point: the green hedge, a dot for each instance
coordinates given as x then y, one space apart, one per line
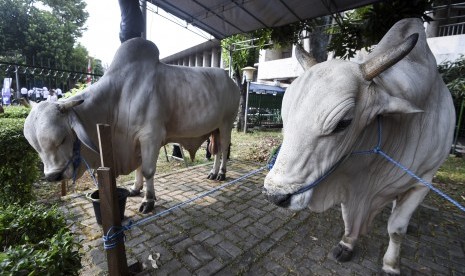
35 241
15 112
18 163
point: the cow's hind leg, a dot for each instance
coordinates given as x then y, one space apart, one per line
214 150
402 211
225 138
149 154
138 183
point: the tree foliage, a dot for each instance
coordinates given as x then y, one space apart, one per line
43 32
366 26
453 74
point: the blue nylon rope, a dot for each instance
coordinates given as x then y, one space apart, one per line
116 234
377 150
426 183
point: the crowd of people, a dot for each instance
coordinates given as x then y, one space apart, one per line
41 94
35 94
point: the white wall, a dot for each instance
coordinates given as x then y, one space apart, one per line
444 48
447 47
278 69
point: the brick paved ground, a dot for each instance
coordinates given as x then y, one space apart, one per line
237 232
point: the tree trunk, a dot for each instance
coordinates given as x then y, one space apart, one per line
241 112
319 40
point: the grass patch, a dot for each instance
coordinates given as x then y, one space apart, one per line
450 179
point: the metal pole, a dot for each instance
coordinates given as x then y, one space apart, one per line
144 15
18 89
246 107
457 128
230 62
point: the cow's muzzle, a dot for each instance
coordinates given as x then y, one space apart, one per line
278 199
57 176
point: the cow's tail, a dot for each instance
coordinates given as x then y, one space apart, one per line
214 142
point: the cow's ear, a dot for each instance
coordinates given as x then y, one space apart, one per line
387 104
65 106
81 133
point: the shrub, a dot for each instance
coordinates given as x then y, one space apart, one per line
15 112
18 163
35 241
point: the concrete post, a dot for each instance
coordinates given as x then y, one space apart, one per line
206 62
198 60
191 61
216 57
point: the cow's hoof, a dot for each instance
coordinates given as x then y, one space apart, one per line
147 207
212 176
342 253
390 274
221 177
134 192
390 271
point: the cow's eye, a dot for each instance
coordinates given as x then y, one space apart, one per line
342 125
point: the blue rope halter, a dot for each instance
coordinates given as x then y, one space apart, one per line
376 150
76 162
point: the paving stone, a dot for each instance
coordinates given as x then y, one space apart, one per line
199 253
210 268
191 261
183 245
275 268
167 268
205 234
220 254
232 249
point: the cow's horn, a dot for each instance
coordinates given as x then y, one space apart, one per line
65 106
375 66
305 58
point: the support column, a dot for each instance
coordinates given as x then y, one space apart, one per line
185 61
216 57
206 62
198 60
191 61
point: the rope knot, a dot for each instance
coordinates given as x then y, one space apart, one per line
377 149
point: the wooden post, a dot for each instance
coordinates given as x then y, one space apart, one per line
63 187
116 257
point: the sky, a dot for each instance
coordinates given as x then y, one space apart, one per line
102 35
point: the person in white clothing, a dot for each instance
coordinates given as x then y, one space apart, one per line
38 94
59 93
52 97
45 93
24 92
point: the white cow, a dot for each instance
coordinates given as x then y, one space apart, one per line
331 111
148 104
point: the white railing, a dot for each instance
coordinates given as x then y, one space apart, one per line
452 29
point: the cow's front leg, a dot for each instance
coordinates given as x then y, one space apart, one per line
343 251
402 211
138 183
149 154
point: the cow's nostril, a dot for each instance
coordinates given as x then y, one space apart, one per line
280 200
54 177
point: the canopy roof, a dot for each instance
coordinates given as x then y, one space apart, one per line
223 18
